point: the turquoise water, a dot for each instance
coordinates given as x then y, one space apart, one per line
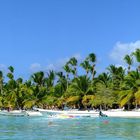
42 128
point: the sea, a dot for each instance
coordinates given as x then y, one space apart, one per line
45 128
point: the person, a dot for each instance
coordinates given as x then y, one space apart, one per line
50 123
101 114
9 109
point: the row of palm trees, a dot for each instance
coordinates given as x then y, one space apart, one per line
112 89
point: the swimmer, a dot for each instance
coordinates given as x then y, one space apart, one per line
106 122
51 124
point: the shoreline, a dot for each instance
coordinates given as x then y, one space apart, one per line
124 114
109 113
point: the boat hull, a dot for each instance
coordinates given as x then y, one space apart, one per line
70 112
12 113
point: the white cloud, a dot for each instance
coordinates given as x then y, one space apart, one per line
35 67
61 62
77 56
3 68
120 65
121 49
50 67
57 66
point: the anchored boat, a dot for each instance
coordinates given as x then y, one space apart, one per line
72 112
12 113
20 113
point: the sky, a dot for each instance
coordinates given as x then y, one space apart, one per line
43 34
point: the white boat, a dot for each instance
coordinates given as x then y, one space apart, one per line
20 113
72 112
33 113
12 113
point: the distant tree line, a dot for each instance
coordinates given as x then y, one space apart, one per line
118 87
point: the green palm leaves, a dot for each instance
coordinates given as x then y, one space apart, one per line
110 89
38 78
137 56
86 66
92 59
129 60
72 63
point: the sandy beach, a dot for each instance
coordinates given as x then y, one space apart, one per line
120 113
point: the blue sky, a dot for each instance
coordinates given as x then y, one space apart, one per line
43 34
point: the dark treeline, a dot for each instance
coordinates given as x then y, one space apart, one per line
118 87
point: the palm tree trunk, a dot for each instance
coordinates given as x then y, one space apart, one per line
136 106
67 80
93 73
128 105
129 67
86 73
100 107
75 72
139 68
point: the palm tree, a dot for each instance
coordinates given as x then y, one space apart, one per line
137 97
38 78
129 95
11 69
82 86
28 98
117 75
129 60
72 101
79 87
73 63
104 96
62 81
87 100
137 56
12 94
19 81
1 82
92 59
126 97
67 70
113 70
85 64
50 79
104 78
10 74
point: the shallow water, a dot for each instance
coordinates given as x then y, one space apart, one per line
43 128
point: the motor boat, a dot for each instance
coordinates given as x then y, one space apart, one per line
71 112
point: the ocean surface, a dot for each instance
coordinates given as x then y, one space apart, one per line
43 128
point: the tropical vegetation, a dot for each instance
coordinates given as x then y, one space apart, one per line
117 87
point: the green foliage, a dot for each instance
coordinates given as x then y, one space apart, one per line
87 100
38 78
72 100
55 89
104 96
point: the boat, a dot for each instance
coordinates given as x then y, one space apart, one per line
33 113
12 113
85 113
20 113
